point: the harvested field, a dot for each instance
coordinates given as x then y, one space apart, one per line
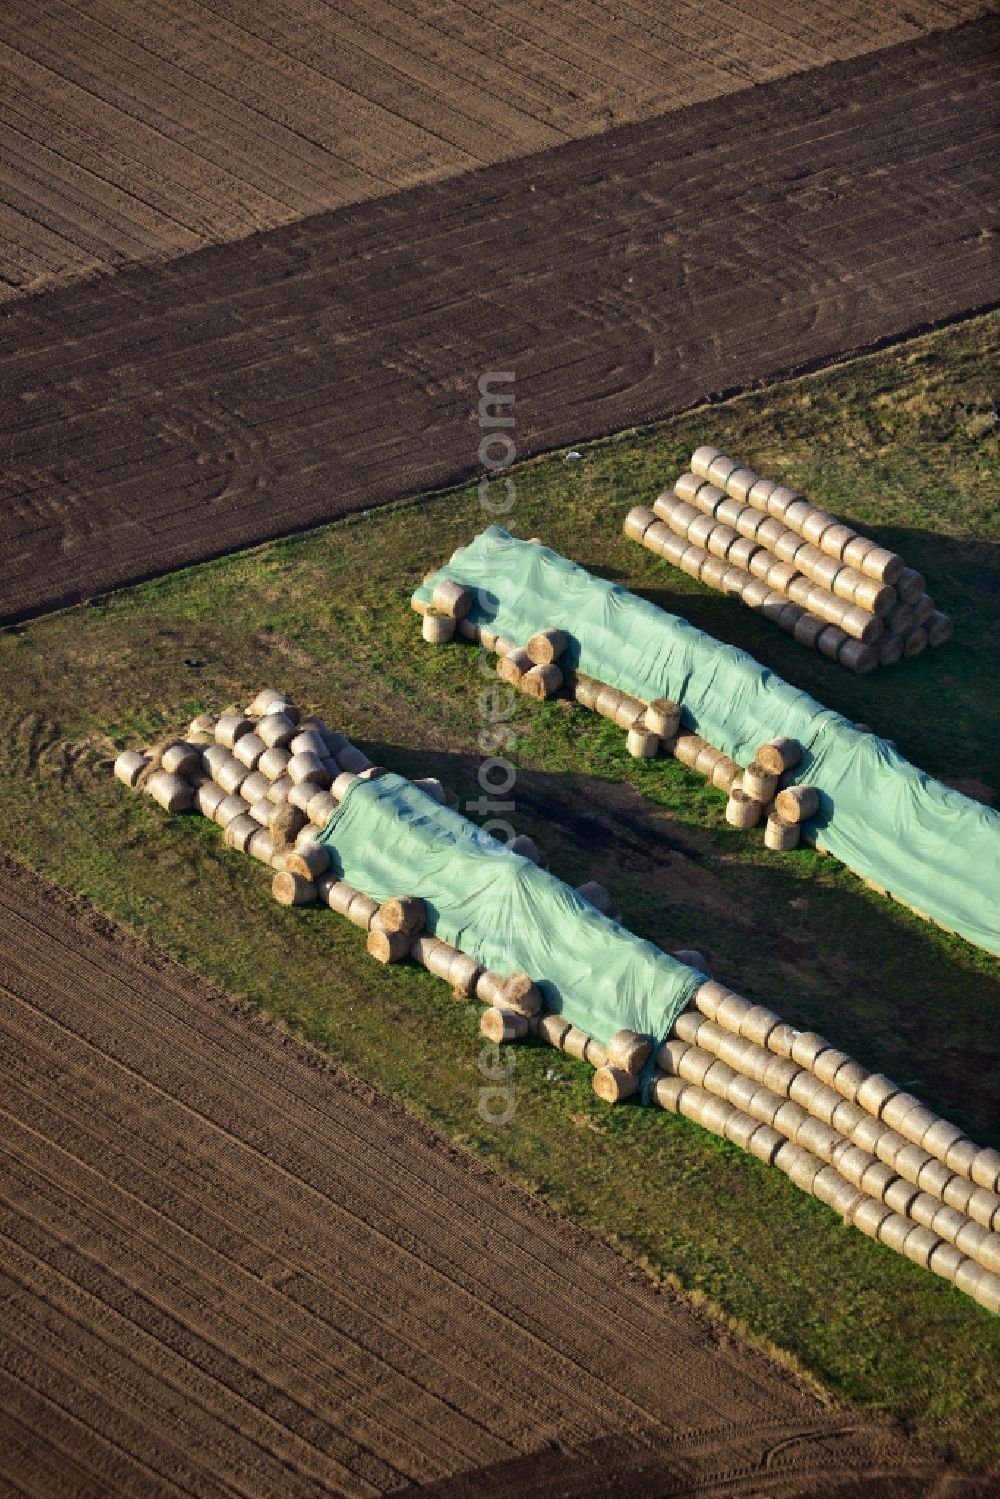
142 131
250 390
228 1269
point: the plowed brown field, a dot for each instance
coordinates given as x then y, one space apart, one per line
178 412
142 129
228 1270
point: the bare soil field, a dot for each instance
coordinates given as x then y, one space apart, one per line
134 130
228 1269
173 413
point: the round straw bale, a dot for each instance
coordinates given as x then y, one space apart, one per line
174 793
742 811
740 482
248 750
944 1260
960 1156
814 525
292 890
706 760
678 515
686 487
502 1025
761 563
361 910
726 512
687 748
699 530
702 459
307 767
799 588
748 522
310 860
230 726
876 598
301 795
709 499
720 539
546 646
309 742
759 782
179 758
883 565
336 893
910 585
808 629
321 809
724 772
452 599
642 744
437 628
914 641
721 468
638 521
734 580
846 583
754 593
207 798
857 657
595 895
613 1086
855 552
781 835
276 730
742 552
230 807
436 956
387 947
759 493
984 1169
285 825
788 1118
828 1185
519 993
859 624
798 1164
273 762
825 571
281 789
214 755
203 723
797 803
403 913
778 754
868 1215
628 1051
261 704
463 975
255 786
789 618
662 717
794 512
129 766
940 627
712 572
552 1028
231 775
667 1093
240 830
541 682
777 500
875 1092
899 619
940 1136
889 649
574 1043
512 667
691 560
787 546
672 548
893 1229
834 539
263 810
764 1144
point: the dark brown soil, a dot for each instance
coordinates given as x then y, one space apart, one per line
229 1269
172 413
143 129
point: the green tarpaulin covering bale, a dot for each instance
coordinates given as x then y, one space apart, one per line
927 844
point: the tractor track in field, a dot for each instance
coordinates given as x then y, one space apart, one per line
227 1269
177 412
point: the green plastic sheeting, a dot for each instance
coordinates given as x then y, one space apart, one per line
389 838
927 844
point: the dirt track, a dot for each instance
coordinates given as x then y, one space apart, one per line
142 129
182 411
228 1270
